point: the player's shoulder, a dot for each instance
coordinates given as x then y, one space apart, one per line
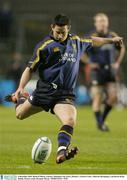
112 33
81 39
74 37
92 33
45 42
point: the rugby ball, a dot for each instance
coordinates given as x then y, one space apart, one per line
41 150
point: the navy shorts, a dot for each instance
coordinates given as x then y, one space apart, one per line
48 95
102 76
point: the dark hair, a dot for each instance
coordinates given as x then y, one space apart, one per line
61 20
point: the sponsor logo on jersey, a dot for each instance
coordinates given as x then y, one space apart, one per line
68 57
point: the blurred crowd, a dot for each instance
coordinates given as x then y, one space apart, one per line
6 21
14 66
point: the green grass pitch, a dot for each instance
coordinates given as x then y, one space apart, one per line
99 153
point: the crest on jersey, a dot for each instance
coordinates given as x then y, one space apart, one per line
56 49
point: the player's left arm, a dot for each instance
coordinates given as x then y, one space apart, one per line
120 48
98 41
86 43
119 57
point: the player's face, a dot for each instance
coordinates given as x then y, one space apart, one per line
60 33
101 23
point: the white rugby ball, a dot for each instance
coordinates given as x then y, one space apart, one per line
41 150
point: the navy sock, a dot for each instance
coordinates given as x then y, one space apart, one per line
21 100
98 116
106 111
64 137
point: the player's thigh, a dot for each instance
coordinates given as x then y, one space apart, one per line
67 113
26 109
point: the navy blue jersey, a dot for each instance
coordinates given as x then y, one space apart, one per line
103 55
58 62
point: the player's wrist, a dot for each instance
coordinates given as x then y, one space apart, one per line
117 61
112 40
20 88
117 39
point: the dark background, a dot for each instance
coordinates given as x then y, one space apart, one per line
31 22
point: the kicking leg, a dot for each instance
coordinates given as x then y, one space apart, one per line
67 115
26 109
23 107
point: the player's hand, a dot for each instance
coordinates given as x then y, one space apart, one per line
18 92
115 65
95 66
118 40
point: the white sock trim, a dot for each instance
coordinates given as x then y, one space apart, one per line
61 147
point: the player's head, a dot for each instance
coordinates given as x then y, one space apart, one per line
61 27
101 22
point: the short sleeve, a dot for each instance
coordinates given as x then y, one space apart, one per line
39 55
35 60
86 44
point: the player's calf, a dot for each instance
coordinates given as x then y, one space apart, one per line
20 102
23 109
112 94
67 114
64 139
112 98
19 115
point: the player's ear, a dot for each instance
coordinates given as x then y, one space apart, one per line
52 26
69 27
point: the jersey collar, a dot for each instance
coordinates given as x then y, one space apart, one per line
64 42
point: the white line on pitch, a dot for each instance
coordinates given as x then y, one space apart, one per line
106 168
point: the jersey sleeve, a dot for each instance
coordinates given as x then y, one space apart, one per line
36 59
86 44
39 55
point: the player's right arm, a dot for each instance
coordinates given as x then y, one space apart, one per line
39 56
26 76
31 67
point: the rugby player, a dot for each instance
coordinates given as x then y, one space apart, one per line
104 62
56 58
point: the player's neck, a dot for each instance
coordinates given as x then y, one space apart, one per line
104 32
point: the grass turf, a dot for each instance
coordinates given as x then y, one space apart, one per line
100 153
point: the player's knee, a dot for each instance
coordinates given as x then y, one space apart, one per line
71 121
112 99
